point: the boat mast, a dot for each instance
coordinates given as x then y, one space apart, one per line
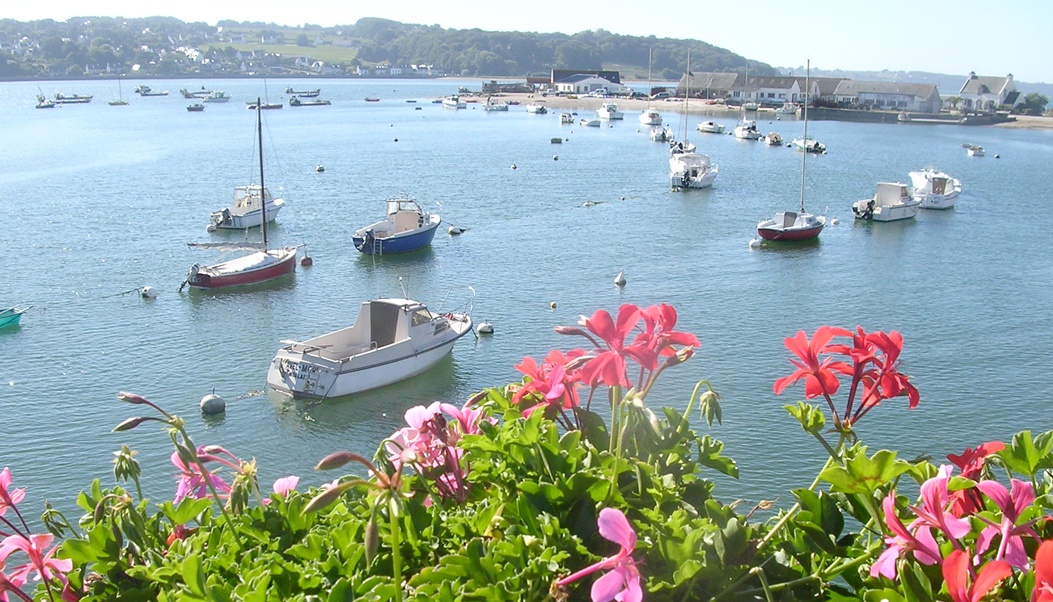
649 51
263 194
804 157
687 95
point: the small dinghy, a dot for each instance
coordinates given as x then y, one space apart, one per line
390 341
11 316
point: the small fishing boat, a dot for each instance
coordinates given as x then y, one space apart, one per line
809 145
304 93
371 99
195 94
495 106
44 103
390 341
11 316
691 171
245 212
453 102
536 108
787 108
217 96
935 189
146 91
408 227
566 119
590 123
891 202
259 263
265 106
651 117
750 105
296 102
773 139
196 107
72 99
747 130
973 150
710 127
609 110
662 134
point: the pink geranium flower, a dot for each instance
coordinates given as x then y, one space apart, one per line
8 497
971 463
933 510
818 373
192 483
608 365
40 562
622 583
1012 505
902 541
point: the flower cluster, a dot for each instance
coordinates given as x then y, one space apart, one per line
873 369
429 444
195 479
976 563
622 583
42 564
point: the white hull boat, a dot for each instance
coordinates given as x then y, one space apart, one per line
935 189
892 202
747 130
590 123
390 341
537 109
773 139
566 119
495 107
787 108
609 110
750 106
691 170
809 145
453 102
711 127
217 96
245 212
650 117
662 134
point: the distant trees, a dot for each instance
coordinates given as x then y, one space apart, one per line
1034 104
301 40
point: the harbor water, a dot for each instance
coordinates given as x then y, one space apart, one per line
98 200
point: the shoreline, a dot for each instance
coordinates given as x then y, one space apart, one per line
706 107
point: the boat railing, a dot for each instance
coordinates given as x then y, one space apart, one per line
460 313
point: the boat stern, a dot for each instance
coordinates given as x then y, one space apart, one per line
293 373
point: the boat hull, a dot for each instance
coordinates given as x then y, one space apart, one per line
399 243
886 213
252 219
310 377
10 317
285 265
788 234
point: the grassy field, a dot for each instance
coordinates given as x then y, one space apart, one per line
327 53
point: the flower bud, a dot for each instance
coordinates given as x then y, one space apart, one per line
570 330
130 423
335 460
372 539
132 398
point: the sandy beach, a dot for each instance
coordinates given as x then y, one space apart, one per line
699 107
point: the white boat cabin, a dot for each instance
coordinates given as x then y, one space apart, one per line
380 323
402 216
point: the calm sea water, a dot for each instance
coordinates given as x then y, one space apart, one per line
98 200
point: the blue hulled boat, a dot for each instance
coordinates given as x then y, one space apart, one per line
408 227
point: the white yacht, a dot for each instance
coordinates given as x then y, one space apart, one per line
711 127
691 170
454 102
747 130
650 117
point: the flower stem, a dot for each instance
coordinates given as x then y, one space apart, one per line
396 551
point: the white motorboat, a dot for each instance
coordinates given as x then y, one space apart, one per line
407 227
711 127
935 189
691 170
217 96
688 169
566 119
750 106
536 108
787 108
650 117
747 130
662 134
609 110
495 106
245 212
809 145
973 150
590 123
453 102
773 139
891 202
390 341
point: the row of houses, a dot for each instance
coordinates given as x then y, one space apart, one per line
977 93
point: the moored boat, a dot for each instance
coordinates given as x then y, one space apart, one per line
296 102
651 117
44 103
974 150
196 108
11 316
787 108
773 139
710 127
536 108
246 211
662 134
747 130
304 93
891 202
407 227
590 123
217 96
390 341
566 118
62 99
258 264
809 145
691 170
453 102
609 111
934 189
265 106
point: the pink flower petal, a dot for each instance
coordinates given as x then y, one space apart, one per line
614 526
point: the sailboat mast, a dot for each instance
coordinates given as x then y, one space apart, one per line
804 156
687 95
263 189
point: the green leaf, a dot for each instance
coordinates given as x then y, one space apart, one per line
883 595
810 417
194 576
709 455
865 475
916 583
1023 456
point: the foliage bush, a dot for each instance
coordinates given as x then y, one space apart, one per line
527 492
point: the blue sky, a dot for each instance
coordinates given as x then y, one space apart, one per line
956 36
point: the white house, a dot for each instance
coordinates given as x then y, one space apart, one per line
891 96
987 93
583 83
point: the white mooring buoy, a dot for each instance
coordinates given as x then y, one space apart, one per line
213 404
619 280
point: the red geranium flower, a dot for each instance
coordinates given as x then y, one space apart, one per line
818 374
608 366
